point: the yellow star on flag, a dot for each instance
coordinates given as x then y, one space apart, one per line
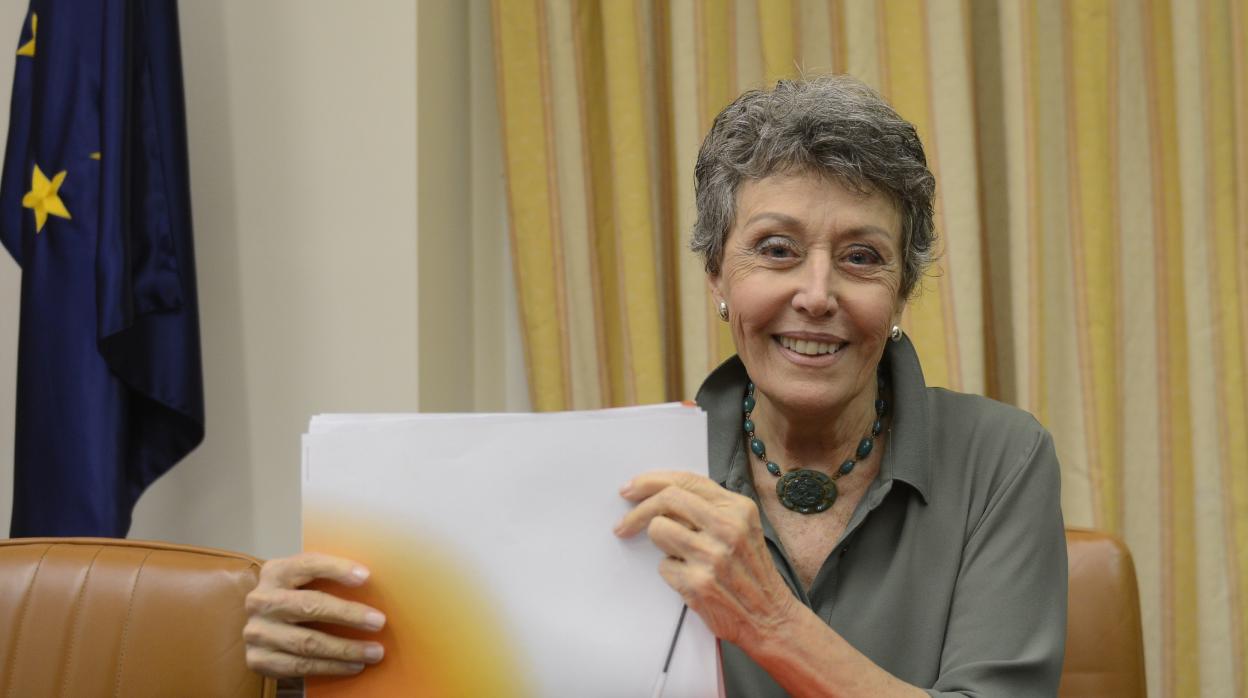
28 48
43 197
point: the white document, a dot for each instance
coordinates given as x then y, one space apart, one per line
490 542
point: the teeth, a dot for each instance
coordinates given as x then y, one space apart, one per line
809 347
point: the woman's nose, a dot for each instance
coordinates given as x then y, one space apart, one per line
814 295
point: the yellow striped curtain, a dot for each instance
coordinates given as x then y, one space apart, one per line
1092 167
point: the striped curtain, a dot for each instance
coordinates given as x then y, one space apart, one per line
1092 167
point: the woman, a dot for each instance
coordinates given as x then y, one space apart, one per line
860 534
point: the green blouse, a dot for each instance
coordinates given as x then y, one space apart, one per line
951 574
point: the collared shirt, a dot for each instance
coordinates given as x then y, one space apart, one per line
951 574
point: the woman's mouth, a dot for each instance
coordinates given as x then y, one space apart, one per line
809 347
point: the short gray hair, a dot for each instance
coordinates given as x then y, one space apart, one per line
835 126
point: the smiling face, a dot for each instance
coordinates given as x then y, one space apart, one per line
811 273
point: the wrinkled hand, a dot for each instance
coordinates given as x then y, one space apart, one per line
717 556
278 646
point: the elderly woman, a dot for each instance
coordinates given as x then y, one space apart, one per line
860 534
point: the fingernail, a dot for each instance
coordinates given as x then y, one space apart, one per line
627 487
374 653
619 527
375 620
359 573
355 667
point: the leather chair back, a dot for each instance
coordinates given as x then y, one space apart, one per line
155 619
99 616
1104 638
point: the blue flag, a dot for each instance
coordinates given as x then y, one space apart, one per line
95 207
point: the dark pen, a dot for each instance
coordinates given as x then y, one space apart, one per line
660 682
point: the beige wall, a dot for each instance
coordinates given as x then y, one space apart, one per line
470 353
316 292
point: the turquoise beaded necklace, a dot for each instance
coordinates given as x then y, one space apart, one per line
810 491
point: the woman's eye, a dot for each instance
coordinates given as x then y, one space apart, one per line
862 257
773 248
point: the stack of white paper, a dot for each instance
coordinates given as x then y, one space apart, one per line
490 542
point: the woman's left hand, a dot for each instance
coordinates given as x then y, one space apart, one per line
717 557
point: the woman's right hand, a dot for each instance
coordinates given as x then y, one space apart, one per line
279 646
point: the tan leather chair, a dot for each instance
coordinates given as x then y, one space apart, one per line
110 617
1104 639
85 616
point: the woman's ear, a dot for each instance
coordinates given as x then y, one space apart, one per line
898 313
713 284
